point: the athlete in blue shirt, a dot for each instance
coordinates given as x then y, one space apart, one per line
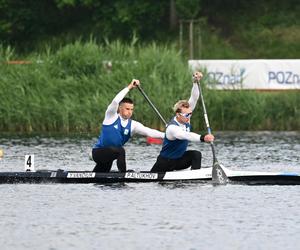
117 128
174 154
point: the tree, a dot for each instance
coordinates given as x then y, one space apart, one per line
188 9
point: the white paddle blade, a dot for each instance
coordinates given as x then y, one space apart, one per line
219 176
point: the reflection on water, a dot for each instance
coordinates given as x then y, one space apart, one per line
182 184
182 215
113 186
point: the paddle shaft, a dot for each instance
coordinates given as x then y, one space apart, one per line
207 124
151 104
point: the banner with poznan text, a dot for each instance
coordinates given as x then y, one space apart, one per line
250 74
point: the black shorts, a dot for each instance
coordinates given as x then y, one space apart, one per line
190 158
104 158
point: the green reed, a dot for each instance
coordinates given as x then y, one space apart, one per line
68 89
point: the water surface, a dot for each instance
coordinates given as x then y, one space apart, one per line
151 215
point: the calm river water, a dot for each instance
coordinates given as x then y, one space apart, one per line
152 215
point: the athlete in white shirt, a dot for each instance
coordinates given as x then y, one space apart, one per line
174 154
117 128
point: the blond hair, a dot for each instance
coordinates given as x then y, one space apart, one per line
180 104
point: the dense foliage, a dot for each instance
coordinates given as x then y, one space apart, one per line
68 82
248 29
68 90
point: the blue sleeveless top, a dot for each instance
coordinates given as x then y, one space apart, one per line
176 148
114 135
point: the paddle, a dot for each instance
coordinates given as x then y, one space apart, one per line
218 174
151 104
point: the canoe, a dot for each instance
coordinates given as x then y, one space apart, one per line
201 175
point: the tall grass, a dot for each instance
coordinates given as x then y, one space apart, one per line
68 89
250 110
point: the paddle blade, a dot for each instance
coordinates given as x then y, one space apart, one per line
219 176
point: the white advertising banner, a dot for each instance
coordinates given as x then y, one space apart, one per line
250 74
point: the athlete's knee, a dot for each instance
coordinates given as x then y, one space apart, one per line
196 154
196 161
121 151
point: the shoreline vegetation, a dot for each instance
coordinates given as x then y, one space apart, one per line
67 89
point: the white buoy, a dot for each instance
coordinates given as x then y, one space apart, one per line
1 153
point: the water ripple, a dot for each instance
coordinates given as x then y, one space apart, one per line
152 215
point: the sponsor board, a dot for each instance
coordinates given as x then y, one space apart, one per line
250 74
81 175
137 175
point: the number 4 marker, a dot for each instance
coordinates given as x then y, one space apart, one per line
29 163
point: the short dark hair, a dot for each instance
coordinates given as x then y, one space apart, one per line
126 100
